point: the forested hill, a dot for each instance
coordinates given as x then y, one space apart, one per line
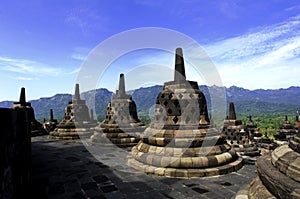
276 101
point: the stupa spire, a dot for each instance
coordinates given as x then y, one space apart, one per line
92 114
122 84
51 114
36 127
22 96
77 93
232 115
179 65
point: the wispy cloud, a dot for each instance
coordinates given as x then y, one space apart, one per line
25 78
80 53
229 8
259 41
24 66
73 71
292 8
78 57
264 57
86 19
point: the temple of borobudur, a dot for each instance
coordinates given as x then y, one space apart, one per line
278 174
76 122
121 125
36 127
238 135
180 141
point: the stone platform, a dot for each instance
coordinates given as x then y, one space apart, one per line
66 169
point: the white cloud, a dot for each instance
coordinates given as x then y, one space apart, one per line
31 68
86 19
78 56
25 78
292 8
267 57
80 53
73 72
24 66
255 42
287 51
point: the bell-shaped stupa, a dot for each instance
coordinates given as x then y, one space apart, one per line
254 134
76 121
121 125
278 174
238 135
286 131
180 141
36 127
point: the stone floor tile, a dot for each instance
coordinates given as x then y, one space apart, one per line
66 169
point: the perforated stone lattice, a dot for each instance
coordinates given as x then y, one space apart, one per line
236 136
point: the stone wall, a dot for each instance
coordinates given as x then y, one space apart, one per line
15 153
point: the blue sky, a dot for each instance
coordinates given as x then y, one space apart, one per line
43 44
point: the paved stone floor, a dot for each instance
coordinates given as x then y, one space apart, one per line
67 169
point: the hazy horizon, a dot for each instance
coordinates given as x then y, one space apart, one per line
114 91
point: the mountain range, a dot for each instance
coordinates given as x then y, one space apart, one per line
260 101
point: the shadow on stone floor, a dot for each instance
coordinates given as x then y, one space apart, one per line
66 169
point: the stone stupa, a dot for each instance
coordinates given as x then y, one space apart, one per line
285 132
237 135
180 141
121 125
36 127
254 134
50 124
278 174
76 122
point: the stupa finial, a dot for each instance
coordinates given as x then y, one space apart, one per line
22 96
77 93
51 114
92 114
232 115
179 65
122 84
